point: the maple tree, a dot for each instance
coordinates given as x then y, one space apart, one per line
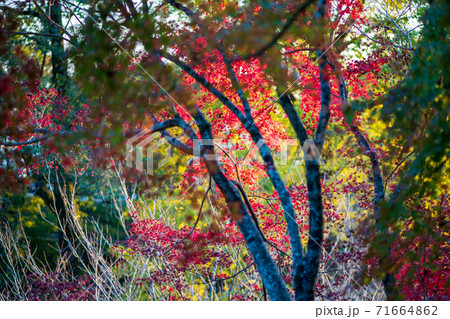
258 76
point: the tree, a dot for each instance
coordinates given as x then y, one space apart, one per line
196 72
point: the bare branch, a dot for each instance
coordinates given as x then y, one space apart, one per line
174 141
283 30
47 134
298 50
395 169
42 35
378 42
236 84
205 83
196 221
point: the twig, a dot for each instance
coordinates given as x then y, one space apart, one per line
53 23
196 221
378 42
286 26
234 275
232 160
297 50
255 218
42 35
395 169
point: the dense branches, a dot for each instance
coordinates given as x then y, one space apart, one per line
232 88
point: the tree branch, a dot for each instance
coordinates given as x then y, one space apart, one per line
395 169
196 221
255 218
283 30
293 117
379 190
378 42
48 134
325 97
249 124
236 84
297 50
271 277
174 141
42 35
181 7
206 84
305 274
53 23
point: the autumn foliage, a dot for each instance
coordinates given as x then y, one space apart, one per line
233 93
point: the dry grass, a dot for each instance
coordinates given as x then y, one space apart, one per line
121 281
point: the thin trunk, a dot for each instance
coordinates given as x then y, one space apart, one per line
60 81
272 280
389 282
59 63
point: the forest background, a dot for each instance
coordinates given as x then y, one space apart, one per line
224 150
